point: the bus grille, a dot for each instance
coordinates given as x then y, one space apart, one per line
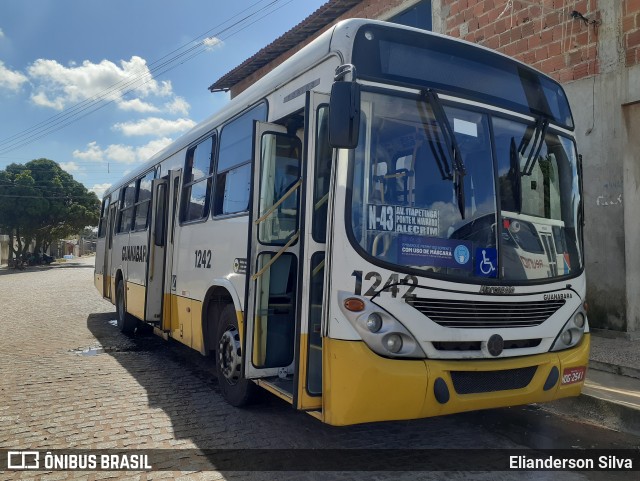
473 382
480 314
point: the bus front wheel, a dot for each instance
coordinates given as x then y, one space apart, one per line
236 390
126 322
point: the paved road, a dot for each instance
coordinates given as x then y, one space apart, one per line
142 392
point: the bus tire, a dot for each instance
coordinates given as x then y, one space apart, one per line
236 390
126 322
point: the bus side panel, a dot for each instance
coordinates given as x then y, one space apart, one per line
136 256
204 251
135 299
118 262
359 386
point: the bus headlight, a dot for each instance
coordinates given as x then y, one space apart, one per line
383 334
572 332
393 343
374 322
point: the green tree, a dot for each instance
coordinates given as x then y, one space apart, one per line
41 202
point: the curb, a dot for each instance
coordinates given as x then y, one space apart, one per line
594 410
614 369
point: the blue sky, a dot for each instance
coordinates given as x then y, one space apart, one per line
58 58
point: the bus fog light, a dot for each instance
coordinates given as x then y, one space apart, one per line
566 337
374 322
393 343
579 319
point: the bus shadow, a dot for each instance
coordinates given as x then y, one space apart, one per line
183 384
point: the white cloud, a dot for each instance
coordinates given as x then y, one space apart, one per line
1 33
42 100
99 189
178 106
212 42
137 105
93 152
10 79
122 154
151 148
57 86
154 126
69 166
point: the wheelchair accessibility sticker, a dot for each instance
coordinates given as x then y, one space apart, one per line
486 262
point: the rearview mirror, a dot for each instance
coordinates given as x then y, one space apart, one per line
344 115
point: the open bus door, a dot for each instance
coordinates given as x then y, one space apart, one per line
169 282
284 306
156 250
271 305
107 277
318 162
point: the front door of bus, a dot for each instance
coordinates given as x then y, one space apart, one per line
272 290
319 155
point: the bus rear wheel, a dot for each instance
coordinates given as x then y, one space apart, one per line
236 390
126 322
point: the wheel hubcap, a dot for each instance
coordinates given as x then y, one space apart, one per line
230 355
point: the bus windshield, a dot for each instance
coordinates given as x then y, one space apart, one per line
414 207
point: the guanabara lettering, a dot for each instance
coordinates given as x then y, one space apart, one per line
134 253
558 296
497 290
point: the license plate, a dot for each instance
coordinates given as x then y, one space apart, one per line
572 375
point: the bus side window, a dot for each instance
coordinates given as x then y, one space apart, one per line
125 216
233 172
196 192
160 216
102 228
143 201
322 178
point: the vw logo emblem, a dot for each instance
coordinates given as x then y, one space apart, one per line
495 345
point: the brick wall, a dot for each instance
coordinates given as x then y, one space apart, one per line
631 31
542 33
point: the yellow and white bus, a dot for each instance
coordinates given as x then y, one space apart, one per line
386 226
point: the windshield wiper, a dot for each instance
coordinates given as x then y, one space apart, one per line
515 169
533 137
452 150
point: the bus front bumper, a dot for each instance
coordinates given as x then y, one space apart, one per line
361 386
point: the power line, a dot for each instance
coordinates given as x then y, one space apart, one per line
117 86
125 86
74 197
